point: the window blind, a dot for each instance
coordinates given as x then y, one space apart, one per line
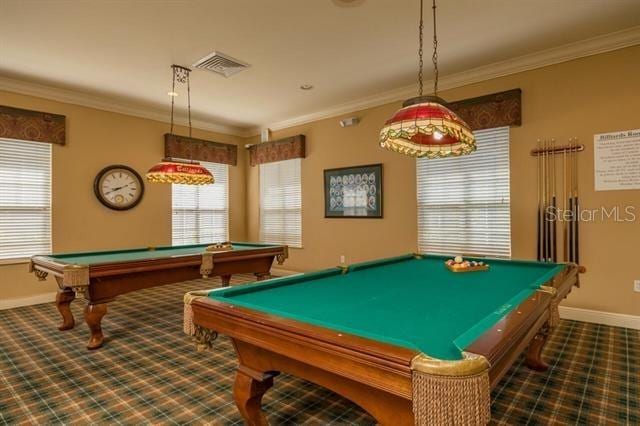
281 203
464 202
200 213
25 198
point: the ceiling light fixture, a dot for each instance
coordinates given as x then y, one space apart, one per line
171 170
306 86
425 126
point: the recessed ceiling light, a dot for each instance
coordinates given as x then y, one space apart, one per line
306 86
172 94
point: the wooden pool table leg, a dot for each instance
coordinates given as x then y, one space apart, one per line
534 353
93 315
225 280
63 302
260 276
248 390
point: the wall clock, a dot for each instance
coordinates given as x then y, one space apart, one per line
118 187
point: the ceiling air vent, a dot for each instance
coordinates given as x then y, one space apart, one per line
221 64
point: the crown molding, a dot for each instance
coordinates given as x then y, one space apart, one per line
103 103
588 47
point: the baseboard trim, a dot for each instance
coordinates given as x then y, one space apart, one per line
36 299
283 272
600 317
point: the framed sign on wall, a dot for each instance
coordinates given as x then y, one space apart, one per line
617 160
353 192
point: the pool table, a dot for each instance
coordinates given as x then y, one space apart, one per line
103 275
407 339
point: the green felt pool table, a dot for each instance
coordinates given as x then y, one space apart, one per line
103 275
405 338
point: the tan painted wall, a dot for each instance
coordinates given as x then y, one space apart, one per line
96 139
578 98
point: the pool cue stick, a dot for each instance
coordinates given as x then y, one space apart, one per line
544 200
573 203
564 205
548 215
538 191
542 193
573 206
541 154
545 223
548 202
541 213
570 163
554 242
547 246
577 207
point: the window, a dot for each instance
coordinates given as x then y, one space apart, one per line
464 203
281 203
25 198
201 212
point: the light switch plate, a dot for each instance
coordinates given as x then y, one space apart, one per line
636 286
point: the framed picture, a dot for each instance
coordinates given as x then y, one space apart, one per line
353 192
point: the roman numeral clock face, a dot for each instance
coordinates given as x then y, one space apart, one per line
118 187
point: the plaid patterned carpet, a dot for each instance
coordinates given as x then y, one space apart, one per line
149 373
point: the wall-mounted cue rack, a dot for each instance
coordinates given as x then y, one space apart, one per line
553 161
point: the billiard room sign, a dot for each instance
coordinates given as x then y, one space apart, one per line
617 160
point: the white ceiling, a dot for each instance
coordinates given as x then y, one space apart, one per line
122 49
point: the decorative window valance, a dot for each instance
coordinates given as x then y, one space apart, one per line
279 150
187 148
27 125
495 110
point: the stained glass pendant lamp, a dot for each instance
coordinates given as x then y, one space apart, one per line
171 170
425 127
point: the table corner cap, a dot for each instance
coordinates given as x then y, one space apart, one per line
470 365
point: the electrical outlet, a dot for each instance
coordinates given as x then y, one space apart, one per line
342 259
636 286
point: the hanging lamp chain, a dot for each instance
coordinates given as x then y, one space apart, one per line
435 51
181 75
420 43
189 101
173 91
